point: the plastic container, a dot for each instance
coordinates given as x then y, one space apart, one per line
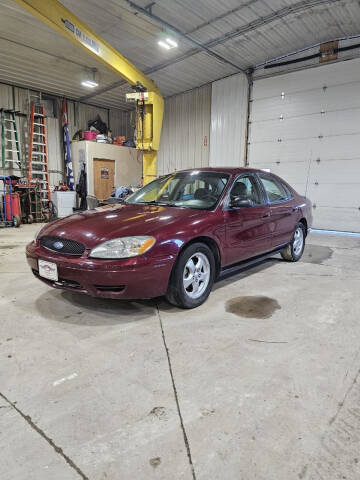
89 135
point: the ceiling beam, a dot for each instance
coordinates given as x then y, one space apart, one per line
186 37
272 17
241 31
223 15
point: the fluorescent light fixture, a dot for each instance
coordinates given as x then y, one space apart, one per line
90 78
171 42
89 83
164 45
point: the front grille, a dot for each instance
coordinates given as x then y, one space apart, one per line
62 245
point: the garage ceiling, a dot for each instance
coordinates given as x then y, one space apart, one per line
216 39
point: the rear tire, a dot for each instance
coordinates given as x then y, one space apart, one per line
293 252
192 277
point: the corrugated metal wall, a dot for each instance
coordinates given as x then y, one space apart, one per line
186 131
122 123
78 116
228 121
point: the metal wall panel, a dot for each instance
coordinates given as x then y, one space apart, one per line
122 123
186 130
229 100
305 127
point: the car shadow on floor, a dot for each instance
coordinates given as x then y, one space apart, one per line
80 309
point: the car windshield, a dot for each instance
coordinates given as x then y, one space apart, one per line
193 189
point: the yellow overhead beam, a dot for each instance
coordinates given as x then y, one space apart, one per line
54 14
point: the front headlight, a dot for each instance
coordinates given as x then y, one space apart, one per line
124 247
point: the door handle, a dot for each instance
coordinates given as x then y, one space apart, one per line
295 209
266 215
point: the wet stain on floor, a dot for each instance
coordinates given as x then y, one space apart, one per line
252 306
316 254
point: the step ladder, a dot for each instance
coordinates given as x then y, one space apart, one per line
38 171
10 143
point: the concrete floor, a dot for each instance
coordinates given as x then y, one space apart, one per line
265 388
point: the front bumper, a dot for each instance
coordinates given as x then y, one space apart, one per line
134 278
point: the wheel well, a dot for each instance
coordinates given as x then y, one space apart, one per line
304 222
213 247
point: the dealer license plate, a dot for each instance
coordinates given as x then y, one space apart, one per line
48 270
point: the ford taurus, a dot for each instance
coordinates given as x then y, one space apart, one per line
174 236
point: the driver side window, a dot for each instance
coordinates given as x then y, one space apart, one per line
246 188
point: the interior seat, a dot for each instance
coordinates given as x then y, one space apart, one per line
240 190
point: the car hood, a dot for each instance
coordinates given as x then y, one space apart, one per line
92 227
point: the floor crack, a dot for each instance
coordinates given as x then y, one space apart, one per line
186 441
33 425
342 403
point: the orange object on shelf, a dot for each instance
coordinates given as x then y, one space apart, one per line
119 140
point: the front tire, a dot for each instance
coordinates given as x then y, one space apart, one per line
293 252
192 277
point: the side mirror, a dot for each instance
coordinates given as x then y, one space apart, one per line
239 202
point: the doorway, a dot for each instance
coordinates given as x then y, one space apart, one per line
104 177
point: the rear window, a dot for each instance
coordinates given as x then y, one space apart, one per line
275 190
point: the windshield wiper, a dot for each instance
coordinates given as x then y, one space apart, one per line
154 202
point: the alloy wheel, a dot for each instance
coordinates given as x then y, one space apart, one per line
298 241
196 275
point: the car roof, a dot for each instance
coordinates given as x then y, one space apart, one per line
230 170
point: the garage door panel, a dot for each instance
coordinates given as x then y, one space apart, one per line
334 195
289 171
293 150
309 126
346 122
315 101
291 128
336 171
293 173
325 75
341 97
336 147
300 188
291 106
342 219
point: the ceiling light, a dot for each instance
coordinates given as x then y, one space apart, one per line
90 78
171 42
164 45
89 83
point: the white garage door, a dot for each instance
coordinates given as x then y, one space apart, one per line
305 127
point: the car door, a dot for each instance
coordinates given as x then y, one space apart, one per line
248 230
282 211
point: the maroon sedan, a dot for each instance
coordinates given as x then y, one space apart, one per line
174 236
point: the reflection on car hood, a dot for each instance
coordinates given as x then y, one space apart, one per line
92 227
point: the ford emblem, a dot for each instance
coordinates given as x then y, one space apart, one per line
58 245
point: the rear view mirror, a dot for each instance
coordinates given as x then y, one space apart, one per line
239 202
